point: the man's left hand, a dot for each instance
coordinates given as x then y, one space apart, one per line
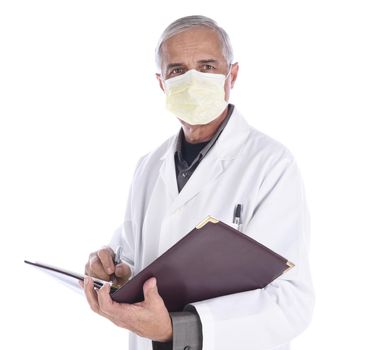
149 318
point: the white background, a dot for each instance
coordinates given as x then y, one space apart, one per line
79 104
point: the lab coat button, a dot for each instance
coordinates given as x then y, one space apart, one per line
187 347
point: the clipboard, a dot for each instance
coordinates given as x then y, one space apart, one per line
68 277
212 260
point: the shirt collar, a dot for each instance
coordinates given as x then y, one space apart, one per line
210 144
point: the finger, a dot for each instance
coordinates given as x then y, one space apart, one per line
105 255
122 272
105 302
91 259
91 294
95 268
119 314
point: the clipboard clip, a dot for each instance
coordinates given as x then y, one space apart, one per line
206 220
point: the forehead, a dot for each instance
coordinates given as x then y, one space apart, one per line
193 45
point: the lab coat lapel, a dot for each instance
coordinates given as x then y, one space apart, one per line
211 167
203 175
167 171
207 171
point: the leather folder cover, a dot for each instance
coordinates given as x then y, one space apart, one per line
212 260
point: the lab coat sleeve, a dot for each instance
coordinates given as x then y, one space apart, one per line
270 317
124 236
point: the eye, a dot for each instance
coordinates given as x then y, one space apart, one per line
207 68
176 71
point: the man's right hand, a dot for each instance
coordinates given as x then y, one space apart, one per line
100 265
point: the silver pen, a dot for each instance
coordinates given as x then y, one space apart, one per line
117 258
116 261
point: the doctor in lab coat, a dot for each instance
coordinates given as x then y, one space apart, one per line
236 164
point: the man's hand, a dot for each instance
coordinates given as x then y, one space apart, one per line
100 265
149 318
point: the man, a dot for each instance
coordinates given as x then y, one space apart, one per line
215 162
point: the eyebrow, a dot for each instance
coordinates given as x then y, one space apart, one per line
209 61
174 65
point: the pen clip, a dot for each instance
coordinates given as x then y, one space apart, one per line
116 261
117 258
237 215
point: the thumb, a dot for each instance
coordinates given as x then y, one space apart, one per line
122 271
150 290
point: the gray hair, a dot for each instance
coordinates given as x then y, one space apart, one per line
185 23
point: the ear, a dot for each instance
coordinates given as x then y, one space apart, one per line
161 83
234 72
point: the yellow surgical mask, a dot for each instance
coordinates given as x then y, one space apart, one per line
195 97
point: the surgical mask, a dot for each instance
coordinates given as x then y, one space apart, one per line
196 97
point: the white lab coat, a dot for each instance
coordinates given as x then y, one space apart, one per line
246 167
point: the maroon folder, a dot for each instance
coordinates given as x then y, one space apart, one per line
212 260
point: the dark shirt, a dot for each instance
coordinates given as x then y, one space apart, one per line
189 155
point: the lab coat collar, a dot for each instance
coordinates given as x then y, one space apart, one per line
227 148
